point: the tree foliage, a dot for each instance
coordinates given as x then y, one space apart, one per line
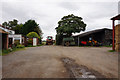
32 35
5 24
18 29
30 26
11 24
24 29
70 24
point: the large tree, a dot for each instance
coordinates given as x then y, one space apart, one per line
18 29
31 26
70 24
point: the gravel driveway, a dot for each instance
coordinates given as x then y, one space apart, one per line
45 61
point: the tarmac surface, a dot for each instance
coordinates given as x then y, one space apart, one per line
45 61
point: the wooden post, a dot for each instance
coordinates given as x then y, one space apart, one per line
113 44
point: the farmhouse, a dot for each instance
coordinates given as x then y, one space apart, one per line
9 38
103 36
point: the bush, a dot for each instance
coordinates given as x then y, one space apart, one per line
30 41
32 35
20 46
16 42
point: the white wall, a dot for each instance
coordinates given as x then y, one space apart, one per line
18 37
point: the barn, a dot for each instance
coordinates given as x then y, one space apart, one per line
103 36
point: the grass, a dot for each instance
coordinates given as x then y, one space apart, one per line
35 46
97 46
17 48
6 52
40 45
111 50
108 46
85 46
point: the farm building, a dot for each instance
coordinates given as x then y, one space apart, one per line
15 38
8 37
116 33
103 36
3 38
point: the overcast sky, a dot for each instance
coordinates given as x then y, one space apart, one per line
95 13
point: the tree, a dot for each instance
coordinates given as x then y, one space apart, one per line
70 24
24 29
18 29
31 26
5 24
11 24
32 35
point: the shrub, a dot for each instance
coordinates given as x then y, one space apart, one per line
32 35
16 42
30 41
20 46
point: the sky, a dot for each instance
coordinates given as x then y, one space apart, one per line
95 13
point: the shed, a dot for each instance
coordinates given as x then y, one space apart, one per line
103 36
113 25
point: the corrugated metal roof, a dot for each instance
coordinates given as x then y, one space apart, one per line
116 17
91 32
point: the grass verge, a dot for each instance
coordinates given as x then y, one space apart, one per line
35 46
10 50
111 50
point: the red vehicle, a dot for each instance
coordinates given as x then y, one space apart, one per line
49 40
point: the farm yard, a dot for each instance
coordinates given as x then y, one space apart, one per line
45 62
59 39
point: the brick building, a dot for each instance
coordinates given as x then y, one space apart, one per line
3 39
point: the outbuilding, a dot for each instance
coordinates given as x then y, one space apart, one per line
3 38
103 36
116 33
